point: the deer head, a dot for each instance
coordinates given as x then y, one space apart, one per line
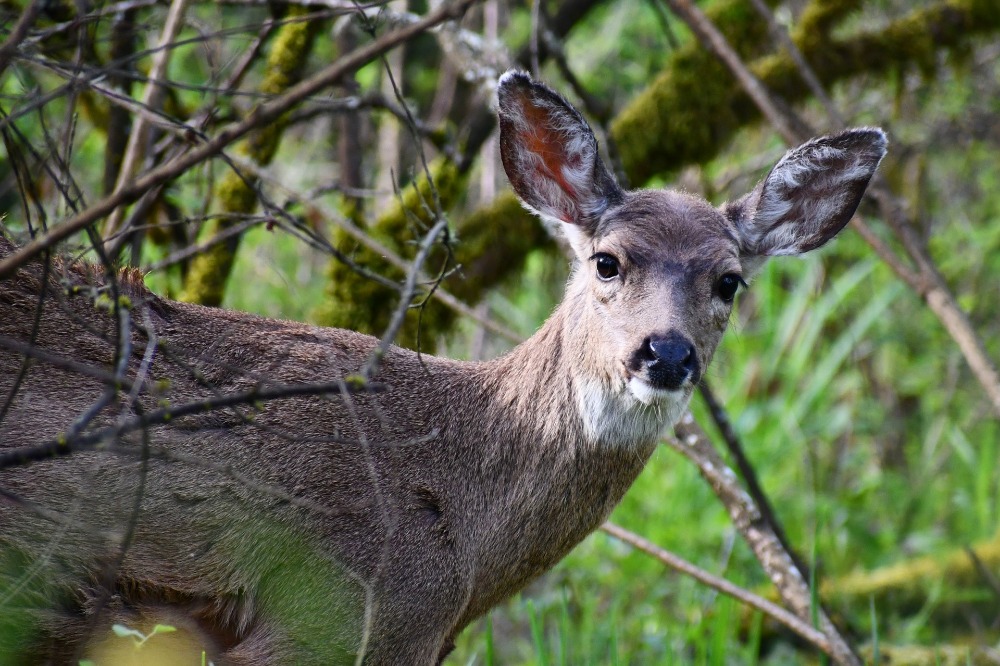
656 271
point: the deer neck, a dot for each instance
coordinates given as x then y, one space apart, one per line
551 477
556 386
546 412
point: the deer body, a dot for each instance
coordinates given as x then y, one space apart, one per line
488 539
437 498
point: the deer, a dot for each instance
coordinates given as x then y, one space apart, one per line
366 526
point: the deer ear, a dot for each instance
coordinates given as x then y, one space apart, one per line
550 154
810 194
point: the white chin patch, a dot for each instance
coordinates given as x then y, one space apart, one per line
648 394
636 414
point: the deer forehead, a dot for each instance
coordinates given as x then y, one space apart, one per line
665 230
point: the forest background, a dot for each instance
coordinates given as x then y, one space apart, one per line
856 393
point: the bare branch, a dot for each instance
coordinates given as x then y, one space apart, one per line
152 99
267 112
18 33
802 628
791 585
65 445
747 471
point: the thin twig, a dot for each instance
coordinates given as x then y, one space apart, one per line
409 286
18 33
773 610
747 471
383 251
152 99
269 111
692 443
807 73
63 445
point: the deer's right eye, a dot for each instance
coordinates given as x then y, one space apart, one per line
727 286
607 266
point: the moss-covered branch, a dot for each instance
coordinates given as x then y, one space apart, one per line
908 584
206 279
359 304
355 302
695 106
912 586
938 655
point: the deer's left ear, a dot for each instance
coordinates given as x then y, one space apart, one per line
809 195
550 154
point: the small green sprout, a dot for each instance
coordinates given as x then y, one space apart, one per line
137 636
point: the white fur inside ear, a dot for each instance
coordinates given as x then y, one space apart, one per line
578 239
811 193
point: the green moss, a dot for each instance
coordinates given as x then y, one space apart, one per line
819 17
360 304
209 271
205 282
234 194
679 118
939 655
490 245
907 583
416 203
494 243
694 107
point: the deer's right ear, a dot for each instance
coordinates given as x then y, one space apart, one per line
810 194
550 154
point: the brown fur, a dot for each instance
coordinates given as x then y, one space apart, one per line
417 509
473 542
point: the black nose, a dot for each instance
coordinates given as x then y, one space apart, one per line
670 360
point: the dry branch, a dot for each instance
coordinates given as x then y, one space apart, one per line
692 443
236 193
152 99
799 626
267 112
81 441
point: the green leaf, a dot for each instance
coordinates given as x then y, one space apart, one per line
124 632
162 629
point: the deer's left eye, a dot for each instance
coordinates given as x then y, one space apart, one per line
607 266
728 285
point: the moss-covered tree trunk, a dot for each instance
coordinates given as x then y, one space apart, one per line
360 304
205 282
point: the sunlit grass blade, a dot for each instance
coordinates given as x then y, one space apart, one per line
874 617
537 634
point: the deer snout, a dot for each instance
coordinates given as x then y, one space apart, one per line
669 360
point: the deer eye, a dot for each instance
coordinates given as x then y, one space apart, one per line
607 266
727 286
